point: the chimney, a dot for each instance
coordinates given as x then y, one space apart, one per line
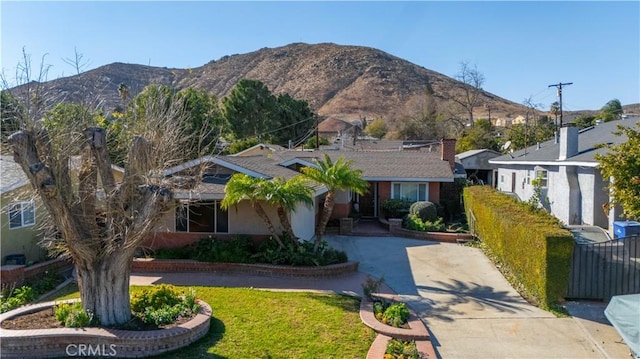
448 151
568 142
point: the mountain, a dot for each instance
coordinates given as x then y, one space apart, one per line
336 80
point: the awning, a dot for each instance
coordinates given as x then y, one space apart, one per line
623 311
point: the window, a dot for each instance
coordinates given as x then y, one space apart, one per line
207 217
21 214
543 176
411 191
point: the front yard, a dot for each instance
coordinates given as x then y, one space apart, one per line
249 323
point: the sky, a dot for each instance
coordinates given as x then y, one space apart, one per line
520 47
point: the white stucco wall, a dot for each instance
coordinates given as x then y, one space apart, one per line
303 221
245 220
575 194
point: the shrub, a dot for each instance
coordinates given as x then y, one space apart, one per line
425 210
395 314
530 243
397 348
237 250
72 315
395 208
155 297
302 255
414 223
13 297
371 286
241 250
163 304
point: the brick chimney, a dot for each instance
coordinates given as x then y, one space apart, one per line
448 151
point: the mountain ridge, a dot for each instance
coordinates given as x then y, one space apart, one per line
345 81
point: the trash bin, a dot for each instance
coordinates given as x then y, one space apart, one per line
19 259
625 228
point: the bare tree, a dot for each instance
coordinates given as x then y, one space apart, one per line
100 230
422 118
469 98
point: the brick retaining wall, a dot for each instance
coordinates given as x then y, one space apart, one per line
64 342
17 275
186 265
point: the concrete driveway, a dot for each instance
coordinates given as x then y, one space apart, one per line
470 308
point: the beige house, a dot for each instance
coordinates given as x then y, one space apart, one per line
413 175
21 216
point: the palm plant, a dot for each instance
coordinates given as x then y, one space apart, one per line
242 187
285 195
335 176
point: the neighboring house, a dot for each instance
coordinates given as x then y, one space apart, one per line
574 188
21 215
335 127
416 175
502 122
519 120
477 166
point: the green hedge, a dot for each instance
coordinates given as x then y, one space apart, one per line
531 243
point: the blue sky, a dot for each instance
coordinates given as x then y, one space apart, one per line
520 47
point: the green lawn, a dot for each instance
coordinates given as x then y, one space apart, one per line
249 323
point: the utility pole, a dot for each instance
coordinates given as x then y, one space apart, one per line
317 132
559 87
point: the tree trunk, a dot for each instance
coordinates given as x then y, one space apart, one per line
284 219
104 287
324 218
260 211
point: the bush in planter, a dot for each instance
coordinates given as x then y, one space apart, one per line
413 222
163 304
425 210
303 255
72 315
397 348
395 208
395 315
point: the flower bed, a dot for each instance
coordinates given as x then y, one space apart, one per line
63 342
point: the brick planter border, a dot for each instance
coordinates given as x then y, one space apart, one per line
64 342
417 331
186 265
395 228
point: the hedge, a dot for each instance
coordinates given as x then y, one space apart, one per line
530 242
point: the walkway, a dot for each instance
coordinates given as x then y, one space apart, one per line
469 307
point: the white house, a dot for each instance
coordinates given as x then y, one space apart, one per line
571 182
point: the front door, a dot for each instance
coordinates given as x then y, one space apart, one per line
367 201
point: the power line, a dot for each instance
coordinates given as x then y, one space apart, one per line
559 87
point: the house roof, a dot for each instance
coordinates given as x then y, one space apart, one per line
259 146
588 141
384 165
471 153
11 175
334 124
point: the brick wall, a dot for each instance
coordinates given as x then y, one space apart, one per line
65 342
434 192
448 151
341 210
17 275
